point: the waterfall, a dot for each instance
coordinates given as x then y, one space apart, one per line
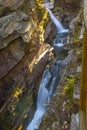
49 81
57 23
42 101
43 91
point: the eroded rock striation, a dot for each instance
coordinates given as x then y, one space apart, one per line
22 25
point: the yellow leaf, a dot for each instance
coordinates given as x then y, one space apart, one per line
20 128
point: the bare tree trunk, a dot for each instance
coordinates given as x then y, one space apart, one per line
83 97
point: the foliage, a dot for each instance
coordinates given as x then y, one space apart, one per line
76 33
76 38
70 84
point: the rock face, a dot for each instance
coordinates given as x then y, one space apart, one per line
14 4
22 25
19 37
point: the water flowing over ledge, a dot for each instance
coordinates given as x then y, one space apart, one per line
57 23
49 82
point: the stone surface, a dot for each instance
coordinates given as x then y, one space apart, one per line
20 33
74 122
23 58
14 4
79 69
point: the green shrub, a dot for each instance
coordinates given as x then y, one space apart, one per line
70 84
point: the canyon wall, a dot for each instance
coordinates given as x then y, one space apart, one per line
23 57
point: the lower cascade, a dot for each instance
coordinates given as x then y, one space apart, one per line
47 86
42 100
36 120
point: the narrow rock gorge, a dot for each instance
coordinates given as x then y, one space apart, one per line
26 50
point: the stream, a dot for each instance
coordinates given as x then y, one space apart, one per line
51 75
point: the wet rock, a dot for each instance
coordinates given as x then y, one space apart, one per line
74 122
79 69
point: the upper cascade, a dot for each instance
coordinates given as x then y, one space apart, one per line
57 23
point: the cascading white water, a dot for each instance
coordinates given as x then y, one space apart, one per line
57 23
42 101
44 94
